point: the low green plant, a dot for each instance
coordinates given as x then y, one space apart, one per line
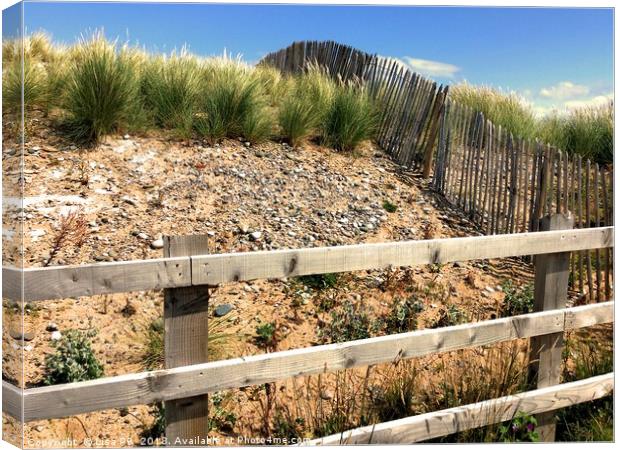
102 90
321 281
348 323
351 118
221 418
449 316
287 427
520 429
73 359
517 300
266 334
403 315
389 206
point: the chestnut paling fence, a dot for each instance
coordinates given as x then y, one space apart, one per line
186 273
503 183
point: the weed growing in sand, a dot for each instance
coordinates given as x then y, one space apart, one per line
403 315
348 323
220 418
73 359
158 427
220 342
321 281
517 300
266 335
72 230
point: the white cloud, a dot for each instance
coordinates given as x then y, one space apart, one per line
565 90
599 100
430 68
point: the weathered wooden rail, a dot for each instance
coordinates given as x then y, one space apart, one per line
193 381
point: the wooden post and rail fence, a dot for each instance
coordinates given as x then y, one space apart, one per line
187 271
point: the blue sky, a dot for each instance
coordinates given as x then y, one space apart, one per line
554 57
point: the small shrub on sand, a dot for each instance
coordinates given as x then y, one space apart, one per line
170 90
351 119
517 300
403 315
102 90
348 323
73 359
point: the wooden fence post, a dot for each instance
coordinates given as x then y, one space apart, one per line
550 292
185 342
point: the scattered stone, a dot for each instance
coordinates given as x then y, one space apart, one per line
129 201
489 289
18 335
222 310
256 235
51 327
157 243
459 264
56 335
126 137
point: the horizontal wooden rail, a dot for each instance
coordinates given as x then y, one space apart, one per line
448 421
105 278
147 387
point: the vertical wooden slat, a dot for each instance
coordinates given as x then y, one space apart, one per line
597 223
608 222
580 218
588 224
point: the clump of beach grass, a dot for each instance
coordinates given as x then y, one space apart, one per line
351 118
102 90
170 88
507 109
306 105
232 102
